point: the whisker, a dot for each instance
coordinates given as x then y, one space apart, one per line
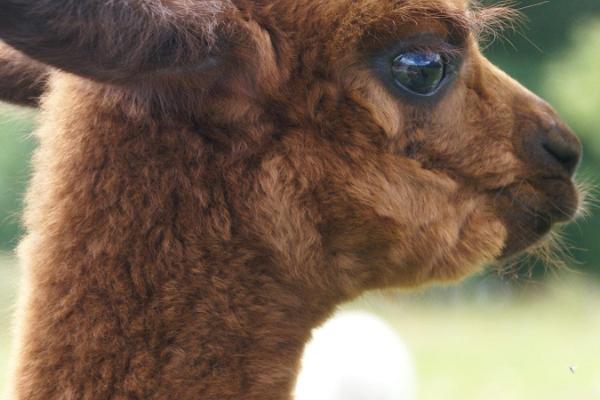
531 42
541 3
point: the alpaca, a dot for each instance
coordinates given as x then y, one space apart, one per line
214 177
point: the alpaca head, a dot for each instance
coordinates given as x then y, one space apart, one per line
389 136
425 160
371 135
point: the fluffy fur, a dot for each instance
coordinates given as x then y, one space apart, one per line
22 80
214 177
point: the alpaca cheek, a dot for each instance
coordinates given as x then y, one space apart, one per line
481 241
383 108
462 245
445 241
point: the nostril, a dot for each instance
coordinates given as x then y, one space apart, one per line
563 154
563 147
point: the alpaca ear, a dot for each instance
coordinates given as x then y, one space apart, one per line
22 80
120 40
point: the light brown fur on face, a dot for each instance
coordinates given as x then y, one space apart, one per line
223 174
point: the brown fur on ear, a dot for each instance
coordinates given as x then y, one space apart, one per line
22 80
120 41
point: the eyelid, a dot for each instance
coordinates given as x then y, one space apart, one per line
428 42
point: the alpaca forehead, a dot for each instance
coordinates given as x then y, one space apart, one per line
451 4
403 6
401 17
457 4
339 24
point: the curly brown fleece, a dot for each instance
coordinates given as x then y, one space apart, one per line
215 176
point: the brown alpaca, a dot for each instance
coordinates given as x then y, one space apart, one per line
215 176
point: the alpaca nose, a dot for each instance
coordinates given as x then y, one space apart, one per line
557 148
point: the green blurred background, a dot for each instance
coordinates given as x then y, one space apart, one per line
525 337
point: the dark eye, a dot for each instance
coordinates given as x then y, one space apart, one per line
419 72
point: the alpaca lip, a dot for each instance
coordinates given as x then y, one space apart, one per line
521 237
562 197
529 218
552 198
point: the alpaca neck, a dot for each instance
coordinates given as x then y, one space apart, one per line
248 339
140 285
228 332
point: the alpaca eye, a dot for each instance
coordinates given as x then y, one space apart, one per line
420 73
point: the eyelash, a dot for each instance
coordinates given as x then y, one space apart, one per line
446 50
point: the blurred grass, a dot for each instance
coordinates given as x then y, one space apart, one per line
468 342
8 289
504 346
16 145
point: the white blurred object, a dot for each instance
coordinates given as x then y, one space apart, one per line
356 356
